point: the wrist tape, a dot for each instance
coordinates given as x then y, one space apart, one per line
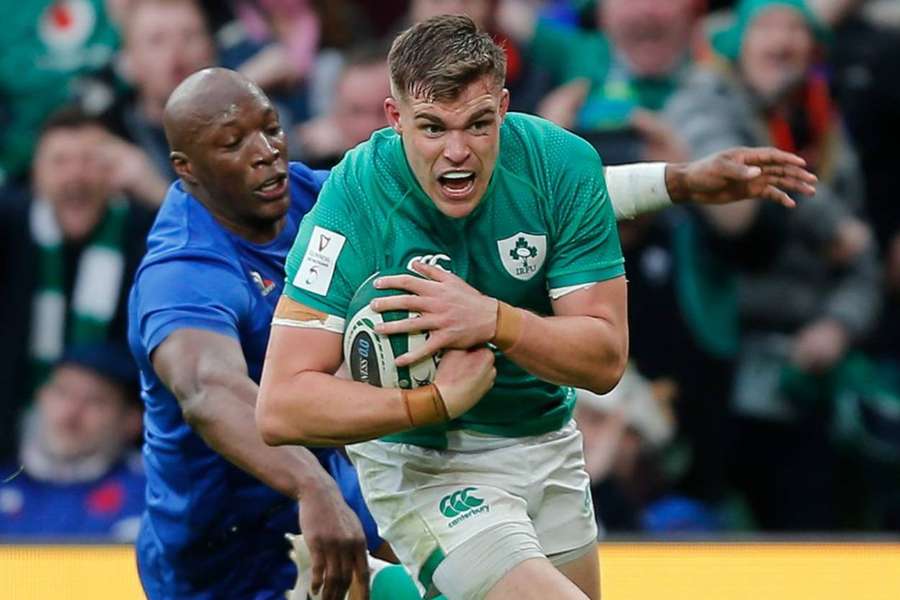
637 189
425 406
510 323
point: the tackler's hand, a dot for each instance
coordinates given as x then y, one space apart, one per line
740 174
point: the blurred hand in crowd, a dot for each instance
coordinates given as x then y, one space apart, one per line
851 239
661 143
129 171
562 104
819 346
271 68
358 109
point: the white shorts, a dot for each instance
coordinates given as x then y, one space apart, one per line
461 518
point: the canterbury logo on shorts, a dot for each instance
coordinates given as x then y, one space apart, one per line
461 505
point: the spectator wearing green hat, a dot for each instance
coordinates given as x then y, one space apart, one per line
807 281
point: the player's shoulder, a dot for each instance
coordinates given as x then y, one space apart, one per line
545 155
544 140
369 173
186 234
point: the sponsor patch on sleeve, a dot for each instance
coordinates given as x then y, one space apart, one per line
319 262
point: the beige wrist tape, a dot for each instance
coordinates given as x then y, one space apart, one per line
424 406
510 322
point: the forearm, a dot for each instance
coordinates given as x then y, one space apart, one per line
318 409
227 425
581 351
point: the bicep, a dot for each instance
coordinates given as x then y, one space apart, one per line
607 300
190 359
303 339
294 350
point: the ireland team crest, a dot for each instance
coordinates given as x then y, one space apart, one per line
523 254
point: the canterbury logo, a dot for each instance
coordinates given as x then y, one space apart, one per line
459 502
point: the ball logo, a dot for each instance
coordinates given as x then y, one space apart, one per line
360 361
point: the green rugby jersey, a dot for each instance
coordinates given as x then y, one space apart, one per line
545 224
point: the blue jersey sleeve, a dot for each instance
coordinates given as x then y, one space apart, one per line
200 291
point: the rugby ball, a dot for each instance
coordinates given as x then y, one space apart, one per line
370 355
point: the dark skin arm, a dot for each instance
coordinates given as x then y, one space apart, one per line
208 375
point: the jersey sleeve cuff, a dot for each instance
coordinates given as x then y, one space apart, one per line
561 284
160 333
334 320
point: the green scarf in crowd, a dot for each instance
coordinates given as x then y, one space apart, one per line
84 317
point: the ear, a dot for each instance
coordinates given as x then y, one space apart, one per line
182 166
392 113
504 103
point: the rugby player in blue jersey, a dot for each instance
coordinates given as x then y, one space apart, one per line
219 501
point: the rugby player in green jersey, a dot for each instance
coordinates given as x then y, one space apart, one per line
478 479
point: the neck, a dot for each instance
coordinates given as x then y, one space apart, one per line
253 231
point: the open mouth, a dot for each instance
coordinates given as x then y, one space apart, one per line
273 187
457 184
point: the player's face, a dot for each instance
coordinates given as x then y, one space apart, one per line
239 159
452 145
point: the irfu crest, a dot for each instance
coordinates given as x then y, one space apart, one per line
523 254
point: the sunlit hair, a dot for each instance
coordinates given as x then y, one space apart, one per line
439 57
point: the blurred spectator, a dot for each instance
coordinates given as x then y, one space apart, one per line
288 32
47 46
807 280
357 110
164 41
290 48
636 62
78 477
623 432
67 258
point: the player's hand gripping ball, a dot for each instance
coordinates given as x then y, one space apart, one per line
370 355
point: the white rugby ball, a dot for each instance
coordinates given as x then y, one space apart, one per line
369 355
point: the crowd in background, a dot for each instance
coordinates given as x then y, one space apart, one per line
764 389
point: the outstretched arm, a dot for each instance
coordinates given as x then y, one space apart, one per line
208 375
722 178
